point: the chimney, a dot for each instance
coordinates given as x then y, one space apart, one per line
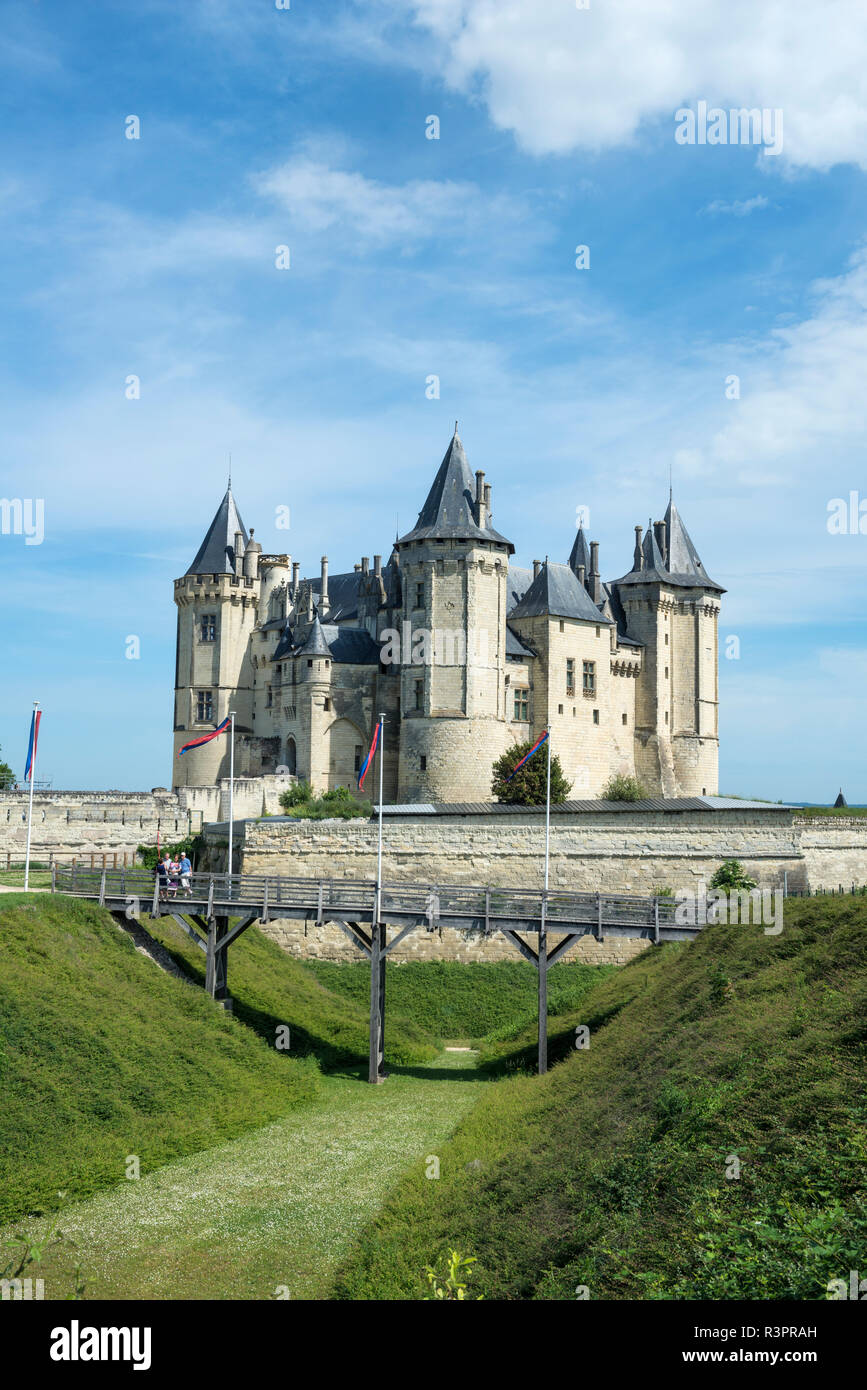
365 564
536 567
659 533
377 566
488 503
582 577
595 589
251 558
357 567
310 603
638 554
296 572
239 552
481 518
324 605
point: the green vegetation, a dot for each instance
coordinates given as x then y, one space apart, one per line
338 803
732 877
709 1144
832 811
454 1285
529 786
7 777
148 854
270 989
104 1055
13 877
620 788
453 1002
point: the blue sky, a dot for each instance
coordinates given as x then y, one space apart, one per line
411 257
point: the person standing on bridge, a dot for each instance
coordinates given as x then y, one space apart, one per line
186 869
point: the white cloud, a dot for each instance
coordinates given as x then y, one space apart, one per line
564 79
377 214
738 208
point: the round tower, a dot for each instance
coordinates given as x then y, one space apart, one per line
454 569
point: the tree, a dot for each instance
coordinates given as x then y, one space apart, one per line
7 777
732 876
528 787
621 788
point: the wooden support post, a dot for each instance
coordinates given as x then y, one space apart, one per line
543 988
216 968
263 916
102 890
656 921
155 905
376 1071
54 878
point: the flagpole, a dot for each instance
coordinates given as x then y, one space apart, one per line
231 791
30 812
548 810
379 841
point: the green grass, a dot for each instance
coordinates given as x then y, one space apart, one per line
455 1001
104 1055
270 988
14 877
610 1172
833 811
276 1208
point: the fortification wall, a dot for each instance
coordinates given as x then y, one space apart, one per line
636 852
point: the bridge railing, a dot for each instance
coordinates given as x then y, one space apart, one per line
318 896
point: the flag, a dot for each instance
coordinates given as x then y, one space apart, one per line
31 747
206 738
362 771
536 745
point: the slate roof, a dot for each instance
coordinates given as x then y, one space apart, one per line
216 554
667 805
351 646
342 594
515 647
518 582
556 591
681 567
448 511
580 553
316 644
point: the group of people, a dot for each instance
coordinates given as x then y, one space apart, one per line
174 874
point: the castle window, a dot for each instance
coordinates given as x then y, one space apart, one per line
309 661
204 706
419 694
562 625
570 676
522 704
419 595
666 639
559 709
358 752
666 673
423 762
625 719
598 632
589 677
326 704
208 627
596 716
269 699
666 716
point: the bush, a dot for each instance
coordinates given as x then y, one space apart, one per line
620 788
337 802
296 795
529 786
731 875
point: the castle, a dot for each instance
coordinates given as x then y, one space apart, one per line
464 653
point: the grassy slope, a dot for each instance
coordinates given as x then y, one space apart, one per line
104 1055
452 1000
270 988
611 1171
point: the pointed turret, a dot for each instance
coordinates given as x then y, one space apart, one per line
316 644
216 554
580 553
841 801
556 592
681 556
457 506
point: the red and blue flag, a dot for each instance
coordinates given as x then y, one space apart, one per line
31 747
362 771
536 746
206 738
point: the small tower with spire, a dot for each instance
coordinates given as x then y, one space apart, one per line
217 603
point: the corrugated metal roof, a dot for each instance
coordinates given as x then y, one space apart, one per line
666 805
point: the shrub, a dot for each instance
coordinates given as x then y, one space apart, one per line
296 795
732 875
621 788
529 786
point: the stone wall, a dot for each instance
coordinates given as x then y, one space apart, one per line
629 852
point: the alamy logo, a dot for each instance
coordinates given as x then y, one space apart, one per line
21 1289
77 1343
735 905
856 1288
441 646
742 126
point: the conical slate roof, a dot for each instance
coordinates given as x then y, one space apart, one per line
580 554
448 511
555 592
217 552
316 644
681 566
841 800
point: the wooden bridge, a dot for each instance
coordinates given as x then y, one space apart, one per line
218 908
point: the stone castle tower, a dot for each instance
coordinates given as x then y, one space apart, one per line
464 652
